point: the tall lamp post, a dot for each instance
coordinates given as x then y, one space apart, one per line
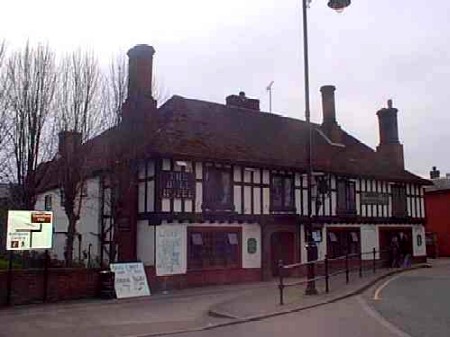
337 5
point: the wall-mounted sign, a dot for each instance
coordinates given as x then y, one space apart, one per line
251 246
317 235
130 279
374 198
29 230
177 185
171 247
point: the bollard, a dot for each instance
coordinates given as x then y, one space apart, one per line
281 284
374 262
346 269
327 277
360 264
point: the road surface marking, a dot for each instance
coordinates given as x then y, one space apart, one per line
376 296
375 315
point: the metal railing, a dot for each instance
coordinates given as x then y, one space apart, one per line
326 269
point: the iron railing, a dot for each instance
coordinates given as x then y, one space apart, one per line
282 268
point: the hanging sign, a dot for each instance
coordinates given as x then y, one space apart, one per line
29 230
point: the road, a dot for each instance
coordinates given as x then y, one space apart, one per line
415 303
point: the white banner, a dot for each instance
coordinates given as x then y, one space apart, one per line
130 279
29 230
171 250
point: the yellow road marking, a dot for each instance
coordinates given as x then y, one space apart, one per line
376 296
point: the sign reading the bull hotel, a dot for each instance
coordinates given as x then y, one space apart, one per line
218 192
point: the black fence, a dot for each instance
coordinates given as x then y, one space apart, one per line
331 267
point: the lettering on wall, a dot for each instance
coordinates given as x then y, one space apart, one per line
374 198
177 185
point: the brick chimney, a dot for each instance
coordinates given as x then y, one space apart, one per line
390 148
140 75
69 143
329 124
242 101
435 173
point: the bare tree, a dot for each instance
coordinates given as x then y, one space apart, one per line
4 120
31 82
77 117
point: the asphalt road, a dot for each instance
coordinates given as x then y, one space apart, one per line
418 302
415 303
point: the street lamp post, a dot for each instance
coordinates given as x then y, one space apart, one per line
338 5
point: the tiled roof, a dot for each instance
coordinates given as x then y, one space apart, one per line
204 130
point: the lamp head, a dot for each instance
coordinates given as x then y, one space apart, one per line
339 5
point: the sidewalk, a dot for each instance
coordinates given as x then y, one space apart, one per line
186 310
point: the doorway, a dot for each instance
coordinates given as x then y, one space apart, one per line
282 248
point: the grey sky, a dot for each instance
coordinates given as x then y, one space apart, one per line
375 50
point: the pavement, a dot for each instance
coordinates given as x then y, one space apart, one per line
190 310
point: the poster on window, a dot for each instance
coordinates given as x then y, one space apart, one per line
170 250
130 280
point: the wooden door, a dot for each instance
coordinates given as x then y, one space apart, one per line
282 248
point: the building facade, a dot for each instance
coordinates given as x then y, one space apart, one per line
437 201
207 193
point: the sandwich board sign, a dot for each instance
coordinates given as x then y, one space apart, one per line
27 230
130 279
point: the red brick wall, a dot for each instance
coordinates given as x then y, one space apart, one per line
437 206
201 278
63 284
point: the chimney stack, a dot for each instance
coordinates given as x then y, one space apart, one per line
329 124
140 100
435 174
242 101
390 147
328 105
69 143
140 71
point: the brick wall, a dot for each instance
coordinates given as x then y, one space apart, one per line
63 284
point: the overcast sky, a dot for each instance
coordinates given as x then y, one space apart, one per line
373 51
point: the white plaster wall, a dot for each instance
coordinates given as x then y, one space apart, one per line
251 260
369 241
419 250
146 243
88 225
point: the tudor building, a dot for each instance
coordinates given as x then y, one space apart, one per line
204 192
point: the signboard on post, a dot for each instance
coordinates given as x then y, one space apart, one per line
171 242
29 230
130 280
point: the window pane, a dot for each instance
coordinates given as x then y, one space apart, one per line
225 188
341 197
288 200
277 192
351 197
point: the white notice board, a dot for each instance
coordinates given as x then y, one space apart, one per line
29 230
130 279
171 249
